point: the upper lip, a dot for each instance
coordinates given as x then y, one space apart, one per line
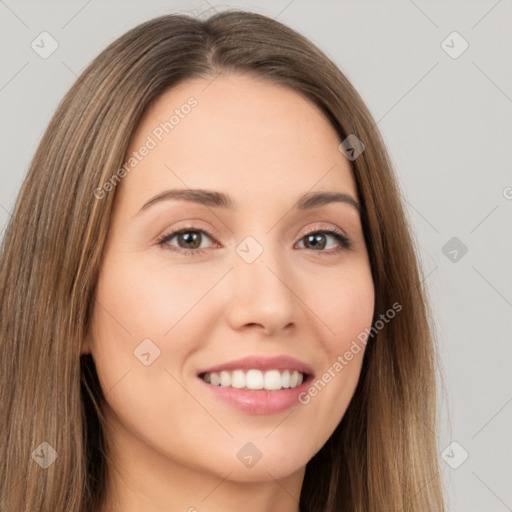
281 362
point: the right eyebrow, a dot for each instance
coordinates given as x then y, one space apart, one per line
205 197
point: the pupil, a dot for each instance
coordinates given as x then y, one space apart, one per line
318 240
191 237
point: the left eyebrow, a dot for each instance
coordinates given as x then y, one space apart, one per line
317 199
216 199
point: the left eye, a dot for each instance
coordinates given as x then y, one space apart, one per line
317 240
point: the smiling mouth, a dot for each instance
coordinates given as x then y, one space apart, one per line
255 379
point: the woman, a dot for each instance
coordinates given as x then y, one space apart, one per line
210 299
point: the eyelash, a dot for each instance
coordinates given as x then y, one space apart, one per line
344 242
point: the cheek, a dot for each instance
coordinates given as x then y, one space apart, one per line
344 303
345 308
148 301
141 310
134 303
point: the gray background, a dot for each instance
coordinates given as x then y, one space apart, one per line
448 125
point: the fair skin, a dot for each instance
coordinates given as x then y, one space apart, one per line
174 445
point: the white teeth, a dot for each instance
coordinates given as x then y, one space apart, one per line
254 379
238 379
270 380
225 379
285 379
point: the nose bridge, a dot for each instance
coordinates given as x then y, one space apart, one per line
262 285
263 265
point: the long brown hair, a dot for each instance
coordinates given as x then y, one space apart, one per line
382 457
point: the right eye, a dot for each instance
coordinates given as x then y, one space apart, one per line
189 240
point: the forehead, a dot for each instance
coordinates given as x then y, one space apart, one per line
241 135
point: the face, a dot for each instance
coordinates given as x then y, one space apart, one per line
189 284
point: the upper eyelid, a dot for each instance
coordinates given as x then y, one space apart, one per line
210 231
169 235
329 229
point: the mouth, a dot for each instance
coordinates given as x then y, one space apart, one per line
258 385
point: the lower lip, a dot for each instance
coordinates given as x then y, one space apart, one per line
259 401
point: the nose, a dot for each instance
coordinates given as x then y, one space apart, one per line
262 295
